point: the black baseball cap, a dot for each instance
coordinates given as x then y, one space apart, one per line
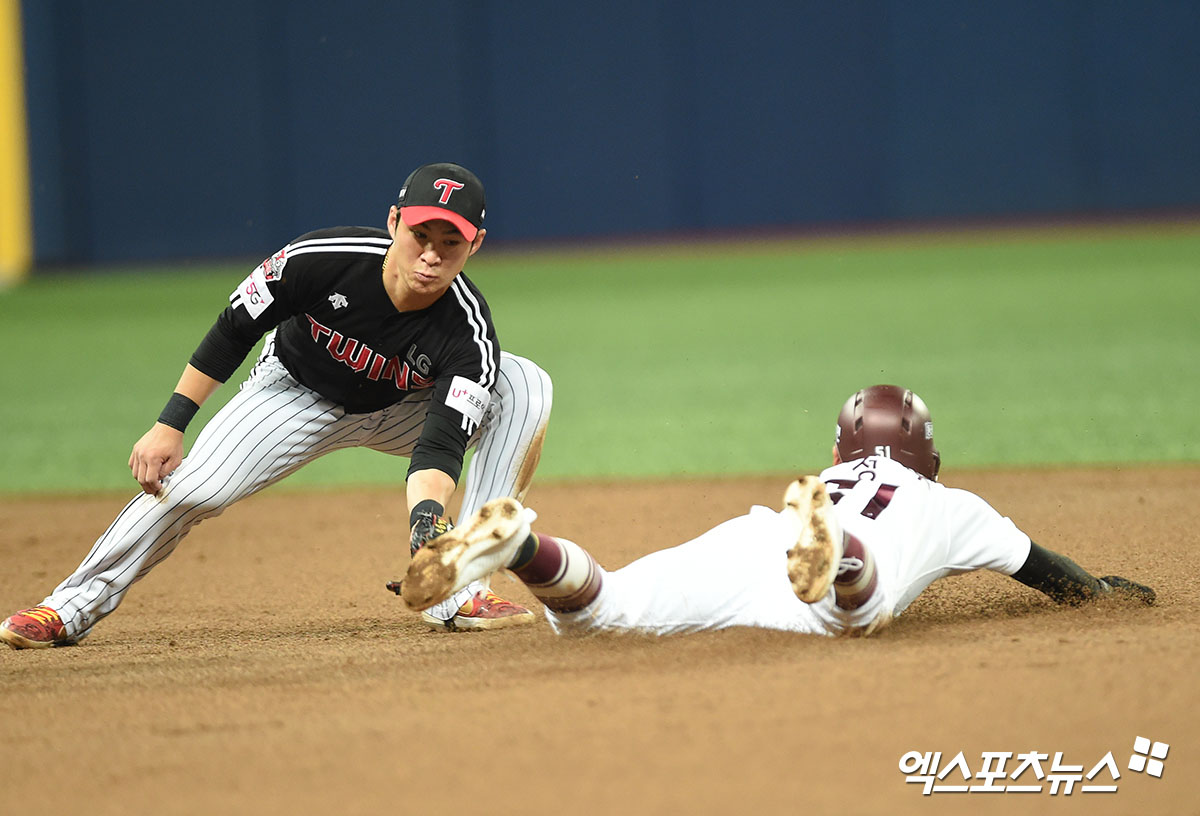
446 191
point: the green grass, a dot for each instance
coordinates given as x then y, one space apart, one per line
1045 347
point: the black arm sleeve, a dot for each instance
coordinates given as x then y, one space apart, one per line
1058 577
222 350
441 447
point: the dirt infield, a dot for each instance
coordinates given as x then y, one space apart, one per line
264 669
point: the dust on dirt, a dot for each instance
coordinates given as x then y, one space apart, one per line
265 669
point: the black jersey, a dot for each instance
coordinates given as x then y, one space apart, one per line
340 334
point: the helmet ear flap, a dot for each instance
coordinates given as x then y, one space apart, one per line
937 465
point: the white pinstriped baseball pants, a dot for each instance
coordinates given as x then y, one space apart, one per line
274 426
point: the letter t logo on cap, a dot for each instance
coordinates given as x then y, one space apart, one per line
447 186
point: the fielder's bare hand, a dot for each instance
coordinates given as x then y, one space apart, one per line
155 456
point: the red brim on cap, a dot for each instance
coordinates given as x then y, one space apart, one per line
419 215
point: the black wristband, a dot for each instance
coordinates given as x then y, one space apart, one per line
178 412
425 506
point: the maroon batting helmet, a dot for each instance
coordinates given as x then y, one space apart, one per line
887 420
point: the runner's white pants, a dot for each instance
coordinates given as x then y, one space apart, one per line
271 428
736 573
733 575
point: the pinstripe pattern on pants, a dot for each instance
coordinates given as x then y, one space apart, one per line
272 427
507 447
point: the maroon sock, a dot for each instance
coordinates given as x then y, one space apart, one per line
857 578
561 574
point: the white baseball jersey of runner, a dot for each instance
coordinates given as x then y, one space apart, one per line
736 573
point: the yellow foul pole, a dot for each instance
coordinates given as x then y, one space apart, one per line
16 230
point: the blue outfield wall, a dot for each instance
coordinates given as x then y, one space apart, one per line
225 128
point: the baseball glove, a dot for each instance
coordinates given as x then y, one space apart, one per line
428 527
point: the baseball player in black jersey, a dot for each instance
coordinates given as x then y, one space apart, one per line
374 339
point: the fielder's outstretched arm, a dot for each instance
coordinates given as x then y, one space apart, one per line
433 471
428 485
1066 582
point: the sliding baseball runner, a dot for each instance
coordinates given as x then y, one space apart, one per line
849 550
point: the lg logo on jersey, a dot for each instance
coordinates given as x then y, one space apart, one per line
420 362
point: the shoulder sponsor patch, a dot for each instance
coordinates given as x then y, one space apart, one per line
253 294
273 267
469 398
